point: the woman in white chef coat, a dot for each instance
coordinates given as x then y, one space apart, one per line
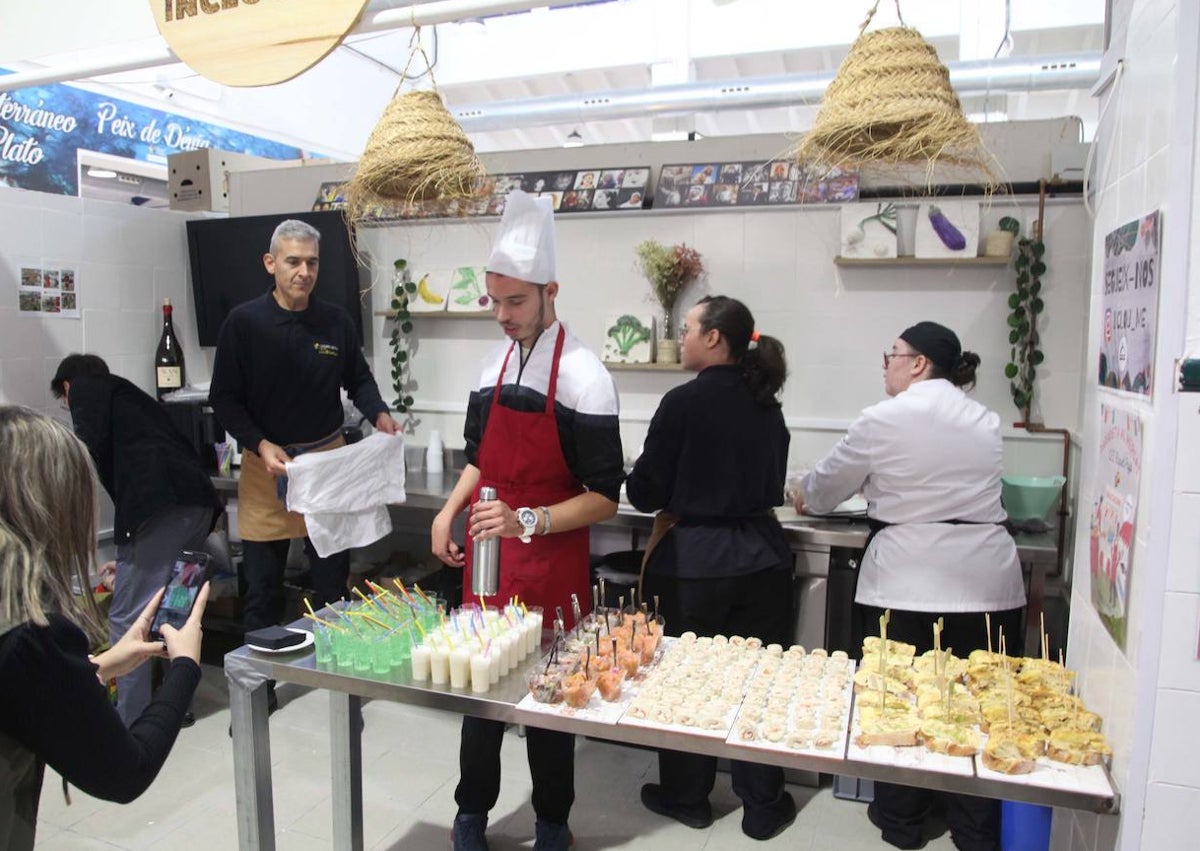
928 460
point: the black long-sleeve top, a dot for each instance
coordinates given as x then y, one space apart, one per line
59 711
277 372
716 458
144 462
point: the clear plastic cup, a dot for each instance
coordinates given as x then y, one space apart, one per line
323 643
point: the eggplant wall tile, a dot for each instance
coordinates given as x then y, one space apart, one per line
1183 563
1172 816
1173 758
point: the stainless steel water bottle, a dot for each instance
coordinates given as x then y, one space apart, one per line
485 558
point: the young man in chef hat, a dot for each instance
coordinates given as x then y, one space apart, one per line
542 430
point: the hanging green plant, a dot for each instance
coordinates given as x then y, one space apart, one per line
1025 305
403 289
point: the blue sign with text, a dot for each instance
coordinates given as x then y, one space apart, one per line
42 128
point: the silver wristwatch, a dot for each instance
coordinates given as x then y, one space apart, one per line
528 518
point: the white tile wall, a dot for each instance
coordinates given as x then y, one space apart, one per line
1157 675
833 322
1172 818
1183 566
126 260
1176 751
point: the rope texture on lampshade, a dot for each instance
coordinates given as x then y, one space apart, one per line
891 104
416 153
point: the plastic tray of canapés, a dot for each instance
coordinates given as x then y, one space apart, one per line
593 671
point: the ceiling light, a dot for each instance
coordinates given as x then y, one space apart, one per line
476 25
101 173
574 140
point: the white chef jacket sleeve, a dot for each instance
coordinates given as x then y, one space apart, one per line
841 473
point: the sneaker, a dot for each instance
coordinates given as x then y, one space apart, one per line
468 832
552 836
698 816
767 823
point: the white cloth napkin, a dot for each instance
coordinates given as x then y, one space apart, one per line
344 493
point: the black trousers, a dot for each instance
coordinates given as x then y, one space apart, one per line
900 810
262 567
758 604
551 766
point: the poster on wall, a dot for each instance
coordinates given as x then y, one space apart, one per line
43 129
48 292
1129 306
1114 517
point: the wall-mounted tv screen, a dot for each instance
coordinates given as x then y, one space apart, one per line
227 266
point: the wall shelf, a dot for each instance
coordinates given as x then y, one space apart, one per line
643 367
441 314
899 262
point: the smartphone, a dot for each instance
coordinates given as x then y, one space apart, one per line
187 577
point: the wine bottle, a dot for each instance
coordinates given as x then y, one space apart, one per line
168 359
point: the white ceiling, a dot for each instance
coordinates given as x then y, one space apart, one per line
615 45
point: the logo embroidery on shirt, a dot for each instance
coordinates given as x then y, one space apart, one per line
326 349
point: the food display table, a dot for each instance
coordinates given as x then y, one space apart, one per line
248 672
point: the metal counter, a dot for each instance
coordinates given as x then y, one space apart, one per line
248 671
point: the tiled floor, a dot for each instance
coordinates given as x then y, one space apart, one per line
410 769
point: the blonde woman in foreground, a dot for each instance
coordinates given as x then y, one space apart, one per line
59 714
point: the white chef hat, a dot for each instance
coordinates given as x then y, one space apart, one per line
524 247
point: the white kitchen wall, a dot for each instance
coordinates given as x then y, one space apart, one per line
834 322
127 260
1149 693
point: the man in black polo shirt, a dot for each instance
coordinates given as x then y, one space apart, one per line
280 363
164 499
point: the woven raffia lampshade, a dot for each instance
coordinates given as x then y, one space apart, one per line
417 152
891 103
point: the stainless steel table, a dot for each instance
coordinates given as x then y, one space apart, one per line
248 673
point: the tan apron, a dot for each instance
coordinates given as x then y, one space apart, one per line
261 514
664 521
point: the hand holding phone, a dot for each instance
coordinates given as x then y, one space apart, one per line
183 586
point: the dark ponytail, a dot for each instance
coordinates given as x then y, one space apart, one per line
763 363
963 374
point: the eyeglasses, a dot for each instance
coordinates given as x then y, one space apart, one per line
887 357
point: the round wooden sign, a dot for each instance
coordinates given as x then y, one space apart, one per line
254 42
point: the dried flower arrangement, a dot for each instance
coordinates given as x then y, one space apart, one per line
669 271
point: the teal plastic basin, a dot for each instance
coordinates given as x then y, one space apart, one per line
1030 497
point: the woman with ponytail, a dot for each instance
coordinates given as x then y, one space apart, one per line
713 467
928 460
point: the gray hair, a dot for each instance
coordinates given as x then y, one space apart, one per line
294 229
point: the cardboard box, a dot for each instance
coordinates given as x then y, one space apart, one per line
199 180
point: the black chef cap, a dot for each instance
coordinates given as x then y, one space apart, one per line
936 342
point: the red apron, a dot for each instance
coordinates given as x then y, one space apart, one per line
521 457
